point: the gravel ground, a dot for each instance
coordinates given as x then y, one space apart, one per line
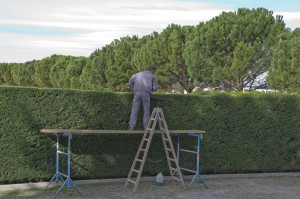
261 186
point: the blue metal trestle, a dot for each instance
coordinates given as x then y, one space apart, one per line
67 182
197 174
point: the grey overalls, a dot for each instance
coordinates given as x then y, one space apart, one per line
142 84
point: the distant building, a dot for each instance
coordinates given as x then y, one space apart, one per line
263 90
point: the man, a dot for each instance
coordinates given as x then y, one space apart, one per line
142 84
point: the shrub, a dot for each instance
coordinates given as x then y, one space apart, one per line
245 133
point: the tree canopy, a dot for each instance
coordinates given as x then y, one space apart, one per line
228 52
233 49
284 73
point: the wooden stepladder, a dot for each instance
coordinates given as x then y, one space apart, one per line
141 155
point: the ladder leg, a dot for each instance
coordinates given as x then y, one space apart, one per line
170 150
157 115
147 137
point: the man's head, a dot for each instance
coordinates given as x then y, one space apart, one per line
151 69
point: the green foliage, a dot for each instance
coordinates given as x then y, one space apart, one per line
58 71
74 71
20 75
120 70
5 74
212 51
241 64
95 76
245 133
285 71
148 55
165 52
42 71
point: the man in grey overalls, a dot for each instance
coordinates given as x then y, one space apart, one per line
142 84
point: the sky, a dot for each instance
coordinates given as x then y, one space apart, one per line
35 29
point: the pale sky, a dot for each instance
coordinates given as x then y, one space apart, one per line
35 29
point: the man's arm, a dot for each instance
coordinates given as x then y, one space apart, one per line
131 82
154 84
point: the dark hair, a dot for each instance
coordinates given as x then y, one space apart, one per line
151 68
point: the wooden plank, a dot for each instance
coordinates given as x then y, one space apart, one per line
114 131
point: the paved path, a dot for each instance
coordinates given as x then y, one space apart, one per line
262 185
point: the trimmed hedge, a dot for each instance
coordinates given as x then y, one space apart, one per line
245 133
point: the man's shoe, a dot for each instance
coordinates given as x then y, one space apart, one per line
131 128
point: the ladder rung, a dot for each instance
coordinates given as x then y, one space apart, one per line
176 179
173 169
131 181
148 133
